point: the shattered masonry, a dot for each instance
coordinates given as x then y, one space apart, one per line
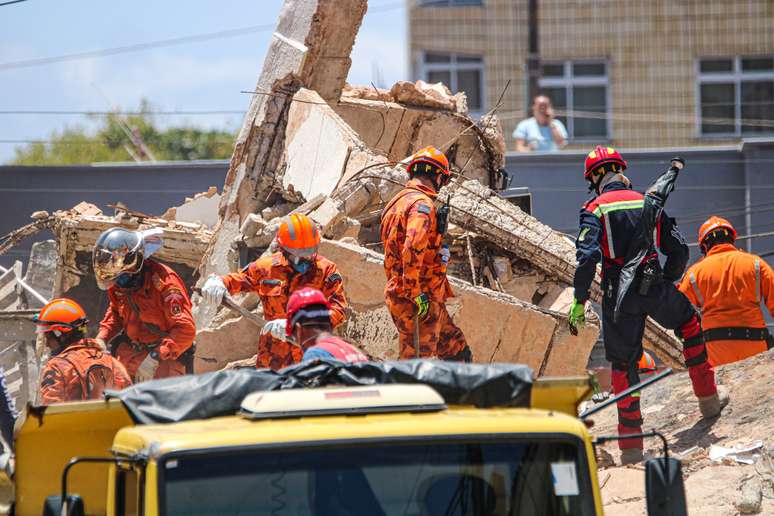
312 144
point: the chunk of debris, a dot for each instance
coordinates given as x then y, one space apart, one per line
435 96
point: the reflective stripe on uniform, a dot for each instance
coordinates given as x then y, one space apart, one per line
602 209
609 235
758 281
696 290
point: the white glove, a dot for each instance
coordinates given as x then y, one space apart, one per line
213 290
276 329
147 368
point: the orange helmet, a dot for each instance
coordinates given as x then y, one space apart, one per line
60 316
429 160
600 157
299 236
646 366
713 224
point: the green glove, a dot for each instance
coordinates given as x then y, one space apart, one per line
577 316
423 305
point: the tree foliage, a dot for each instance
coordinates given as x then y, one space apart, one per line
117 137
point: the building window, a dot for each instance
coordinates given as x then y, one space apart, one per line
735 96
579 93
458 72
448 3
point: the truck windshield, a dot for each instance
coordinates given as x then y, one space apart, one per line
438 478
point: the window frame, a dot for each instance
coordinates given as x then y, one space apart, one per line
568 81
453 67
735 77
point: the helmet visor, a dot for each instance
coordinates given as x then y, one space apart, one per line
300 253
115 253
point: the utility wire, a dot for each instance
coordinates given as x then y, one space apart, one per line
123 113
12 2
137 47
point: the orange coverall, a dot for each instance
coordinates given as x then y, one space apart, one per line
413 265
82 371
727 287
158 313
274 280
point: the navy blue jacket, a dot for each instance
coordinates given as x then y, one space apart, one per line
607 226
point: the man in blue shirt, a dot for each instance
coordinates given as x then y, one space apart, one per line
542 132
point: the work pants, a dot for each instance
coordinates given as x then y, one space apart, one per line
623 346
275 353
439 337
132 356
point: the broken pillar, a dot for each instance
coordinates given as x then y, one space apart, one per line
310 48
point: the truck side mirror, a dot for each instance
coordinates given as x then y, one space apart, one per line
664 487
53 506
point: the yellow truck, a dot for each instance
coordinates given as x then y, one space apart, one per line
413 447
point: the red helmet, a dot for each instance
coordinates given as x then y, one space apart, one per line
712 224
60 316
436 160
297 307
601 156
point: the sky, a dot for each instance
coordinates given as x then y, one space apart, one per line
203 75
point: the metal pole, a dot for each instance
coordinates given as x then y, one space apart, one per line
534 69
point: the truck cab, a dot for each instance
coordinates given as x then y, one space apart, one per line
345 450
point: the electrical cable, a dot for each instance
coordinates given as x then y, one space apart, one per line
12 2
123 113
137 47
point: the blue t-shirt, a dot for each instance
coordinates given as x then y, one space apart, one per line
539 136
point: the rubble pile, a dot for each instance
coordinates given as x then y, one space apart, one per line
723 486
312 144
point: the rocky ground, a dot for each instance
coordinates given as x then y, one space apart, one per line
712 488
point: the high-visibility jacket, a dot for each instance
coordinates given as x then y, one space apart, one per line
728 286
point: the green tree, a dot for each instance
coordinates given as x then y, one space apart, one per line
118 137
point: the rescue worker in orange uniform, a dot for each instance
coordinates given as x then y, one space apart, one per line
79 369
148 322
309 324
608 227
727 286
274 278
415 263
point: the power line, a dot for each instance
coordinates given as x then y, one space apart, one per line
12 2
85 142
123 113
137 47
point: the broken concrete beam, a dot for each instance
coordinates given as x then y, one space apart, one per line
498 327
310 48
318 143
235 339
184 244
327 215
397 131
436 96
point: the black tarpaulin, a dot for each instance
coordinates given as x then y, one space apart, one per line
221 393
